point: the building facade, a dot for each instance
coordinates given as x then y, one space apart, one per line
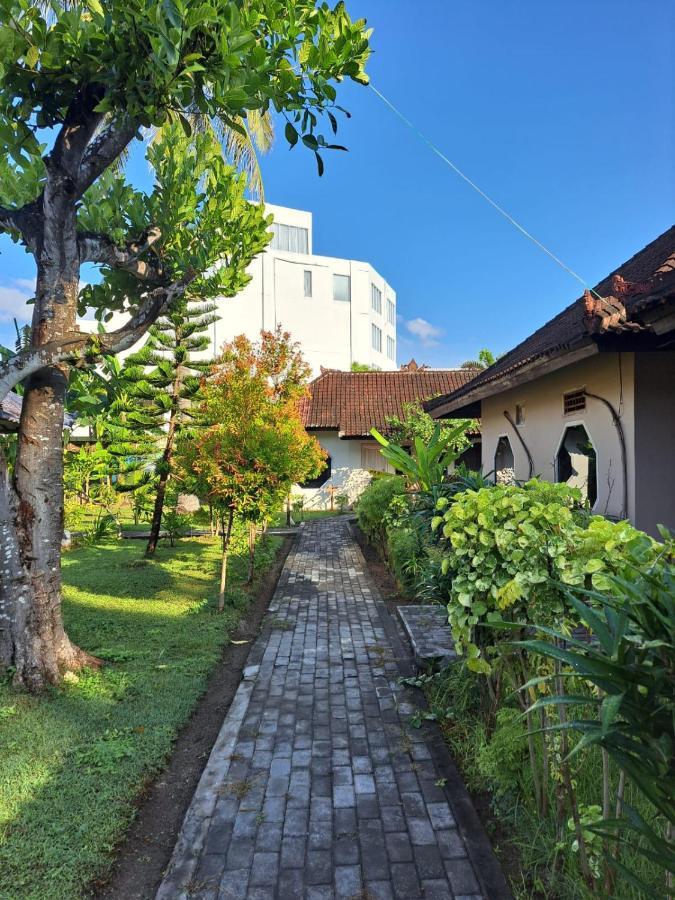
340 410
589 398
341 311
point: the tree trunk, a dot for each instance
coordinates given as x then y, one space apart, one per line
252 534
33 641
164 469
227 534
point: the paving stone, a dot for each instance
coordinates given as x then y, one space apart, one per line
440 815
405 881
436 889
399 846
451 844
461 875
347 882
264 868
342 798
379 890
429 862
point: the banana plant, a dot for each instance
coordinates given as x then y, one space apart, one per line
427 463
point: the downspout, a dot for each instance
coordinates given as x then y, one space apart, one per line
616 420
530 461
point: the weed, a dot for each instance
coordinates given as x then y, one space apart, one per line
239 789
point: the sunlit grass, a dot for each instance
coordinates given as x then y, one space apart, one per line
72 762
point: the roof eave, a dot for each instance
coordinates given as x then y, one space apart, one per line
456 406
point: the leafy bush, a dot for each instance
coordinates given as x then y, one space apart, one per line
403 555
373 504
104 528
507 548
502 758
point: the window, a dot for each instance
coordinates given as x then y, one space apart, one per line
505 472
391 348
376 299
308 283
520 414
290 237
574 401
376 338
391 312
576 462
342 289
372 459
321 479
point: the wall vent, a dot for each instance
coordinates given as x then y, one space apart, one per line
574 401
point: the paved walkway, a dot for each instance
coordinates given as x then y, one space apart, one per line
316 788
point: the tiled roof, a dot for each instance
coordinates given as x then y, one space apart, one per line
10 413
355 402
654 264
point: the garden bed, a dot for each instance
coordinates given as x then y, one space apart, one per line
75 762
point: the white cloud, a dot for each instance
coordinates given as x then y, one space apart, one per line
424 331
27 284
13 303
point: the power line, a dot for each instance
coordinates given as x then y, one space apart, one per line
478 190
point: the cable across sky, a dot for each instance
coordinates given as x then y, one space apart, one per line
479 190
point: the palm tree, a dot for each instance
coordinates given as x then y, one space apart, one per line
485 359
242 139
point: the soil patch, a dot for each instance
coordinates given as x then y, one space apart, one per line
391 593
149 842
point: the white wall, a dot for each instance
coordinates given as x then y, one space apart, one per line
332 334
347 474
610 375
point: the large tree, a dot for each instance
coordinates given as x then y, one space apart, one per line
78 82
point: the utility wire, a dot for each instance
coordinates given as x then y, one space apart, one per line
478 190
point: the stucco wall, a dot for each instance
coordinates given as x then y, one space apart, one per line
332 333
610 375
347 475
655 440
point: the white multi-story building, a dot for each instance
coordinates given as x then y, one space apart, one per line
341 311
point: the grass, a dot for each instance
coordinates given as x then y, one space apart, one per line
73 762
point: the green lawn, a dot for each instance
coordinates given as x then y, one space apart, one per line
72 762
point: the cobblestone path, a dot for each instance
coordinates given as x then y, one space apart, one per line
316 788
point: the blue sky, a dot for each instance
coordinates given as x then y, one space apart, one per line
564 112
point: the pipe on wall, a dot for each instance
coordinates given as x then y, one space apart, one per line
530 461
616 420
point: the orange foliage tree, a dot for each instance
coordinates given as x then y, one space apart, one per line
252 446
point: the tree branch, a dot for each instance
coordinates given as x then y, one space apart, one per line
25 220
78 346
98 248
103 150
154 305
9 219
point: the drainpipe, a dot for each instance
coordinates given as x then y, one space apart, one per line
530 461
616 420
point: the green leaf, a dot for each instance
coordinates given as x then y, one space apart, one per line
609 711
291 134
32 56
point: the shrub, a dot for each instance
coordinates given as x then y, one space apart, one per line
373 504
404 556
507 548
501 758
